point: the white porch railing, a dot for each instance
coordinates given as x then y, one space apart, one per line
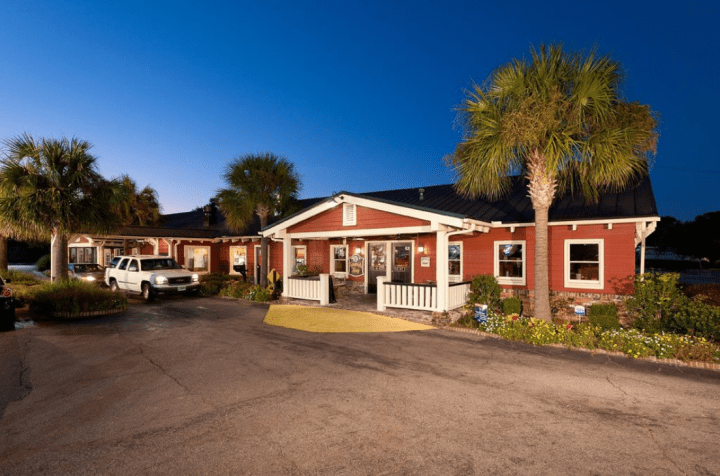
314 288
457 295
422 297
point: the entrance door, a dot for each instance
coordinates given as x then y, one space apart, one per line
377 265
401 262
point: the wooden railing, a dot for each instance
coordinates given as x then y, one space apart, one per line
458 294
422 297
313 288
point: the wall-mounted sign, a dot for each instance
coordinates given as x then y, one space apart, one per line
356 265
425 261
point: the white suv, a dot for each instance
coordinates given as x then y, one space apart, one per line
150 276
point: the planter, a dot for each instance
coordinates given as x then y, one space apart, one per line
71 315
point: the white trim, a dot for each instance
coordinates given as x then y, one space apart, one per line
349 214
585 284
334 273
405 211
507 280
454 278
354 233
187 248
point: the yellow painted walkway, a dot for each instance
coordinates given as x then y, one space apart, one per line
322 319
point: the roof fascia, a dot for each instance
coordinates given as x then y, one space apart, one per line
435 218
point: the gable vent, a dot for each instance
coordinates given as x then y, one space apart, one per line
349 214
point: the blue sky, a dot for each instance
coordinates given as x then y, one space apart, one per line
358 95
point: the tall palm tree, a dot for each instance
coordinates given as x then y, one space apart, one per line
258 184
51 186
559 120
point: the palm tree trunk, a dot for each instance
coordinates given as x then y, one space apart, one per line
542 285
541 187
55 256
264 252
3 253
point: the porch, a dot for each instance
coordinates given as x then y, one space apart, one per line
413 302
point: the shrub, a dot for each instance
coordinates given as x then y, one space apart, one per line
211 284
485 289
512 305
656 298
604 316
19 278
43 264
72 296
695 318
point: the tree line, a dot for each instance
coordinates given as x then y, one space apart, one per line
697 238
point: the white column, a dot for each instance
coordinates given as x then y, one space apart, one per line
287 262
642 253
381 294
324 289
441 270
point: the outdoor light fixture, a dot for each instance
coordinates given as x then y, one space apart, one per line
357 251
421 249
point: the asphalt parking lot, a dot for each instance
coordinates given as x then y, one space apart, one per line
202 386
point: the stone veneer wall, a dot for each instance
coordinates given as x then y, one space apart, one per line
563 303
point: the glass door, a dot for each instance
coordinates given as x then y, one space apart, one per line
376 265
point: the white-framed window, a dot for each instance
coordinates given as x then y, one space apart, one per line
238 257
584 264
349 214
510 262
338 260
455 267
197 258
299 256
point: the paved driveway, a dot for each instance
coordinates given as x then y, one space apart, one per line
201 386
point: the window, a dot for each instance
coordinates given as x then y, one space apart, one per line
82 255
133 267
338 260
197 258
238 259
584 264
124 263
510 262
299 257
455 261
349 214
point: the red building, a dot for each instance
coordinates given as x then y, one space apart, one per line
419 245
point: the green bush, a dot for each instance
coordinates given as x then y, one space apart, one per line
19 278
212 284
656 298
72 296
604 316
695 318
485 289
43 264
512 305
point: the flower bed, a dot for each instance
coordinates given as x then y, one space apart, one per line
72 299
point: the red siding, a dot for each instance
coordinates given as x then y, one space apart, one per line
367 218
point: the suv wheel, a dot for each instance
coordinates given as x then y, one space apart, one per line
114 285
147 292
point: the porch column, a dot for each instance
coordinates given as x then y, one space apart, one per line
441 270
287 263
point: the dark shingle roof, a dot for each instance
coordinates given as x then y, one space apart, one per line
516 207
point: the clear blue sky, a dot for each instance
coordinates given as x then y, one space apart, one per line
359 95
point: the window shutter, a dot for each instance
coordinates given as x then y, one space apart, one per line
349 216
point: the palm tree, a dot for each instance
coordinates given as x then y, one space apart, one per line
258 184
51 186
560 121
138 208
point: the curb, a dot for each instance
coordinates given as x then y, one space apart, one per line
675 362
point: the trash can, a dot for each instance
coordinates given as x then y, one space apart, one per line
481 312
